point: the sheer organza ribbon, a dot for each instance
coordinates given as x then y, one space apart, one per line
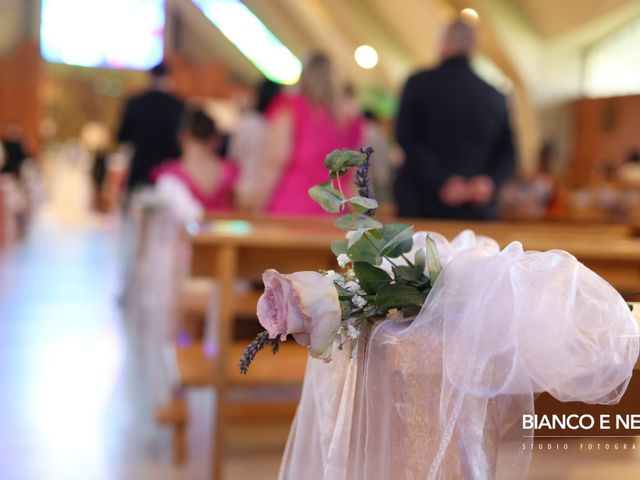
442 396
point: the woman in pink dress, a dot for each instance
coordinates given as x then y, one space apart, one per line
303 128
200 181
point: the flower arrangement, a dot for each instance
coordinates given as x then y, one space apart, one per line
382 272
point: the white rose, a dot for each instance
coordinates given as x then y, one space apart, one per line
303 304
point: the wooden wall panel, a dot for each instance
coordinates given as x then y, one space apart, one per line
607 129
207 80
20 91
31 90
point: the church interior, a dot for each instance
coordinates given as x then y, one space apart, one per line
155 160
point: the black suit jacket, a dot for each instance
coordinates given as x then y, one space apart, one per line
15 155
150 123
450 122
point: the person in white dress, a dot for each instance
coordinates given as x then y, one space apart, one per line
248 141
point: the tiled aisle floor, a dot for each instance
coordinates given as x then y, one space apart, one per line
72 404
60 354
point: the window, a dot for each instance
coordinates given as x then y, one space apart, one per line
612 65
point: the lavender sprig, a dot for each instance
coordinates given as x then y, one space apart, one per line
362 179
258 343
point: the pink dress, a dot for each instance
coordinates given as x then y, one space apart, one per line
219 199
316 133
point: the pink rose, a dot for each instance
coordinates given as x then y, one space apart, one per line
302 304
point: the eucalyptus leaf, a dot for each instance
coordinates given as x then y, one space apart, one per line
357 222
339 161
433 260
346 307
364 202
407 275
397 239
420 261
370 278
364 250
327 197
399 296
411 311
355 236
340 246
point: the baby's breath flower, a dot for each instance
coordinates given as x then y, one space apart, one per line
358 301
352 286
334 277
343 259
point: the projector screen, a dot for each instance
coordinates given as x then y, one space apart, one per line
103 33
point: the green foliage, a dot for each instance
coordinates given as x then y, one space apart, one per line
357 222
399 296
346 307
433 260
370 245
370 278
409 276
369 242
411 311
339 161
340 246
355 236
327 197
398 239
420 261
365 250
367 245
362 204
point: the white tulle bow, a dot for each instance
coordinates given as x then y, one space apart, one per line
442 396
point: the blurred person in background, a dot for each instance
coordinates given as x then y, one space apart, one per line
382 170
454 129
629 172
15 151
14 200
200 180
94 137
248 140
303 128
150 125
534 196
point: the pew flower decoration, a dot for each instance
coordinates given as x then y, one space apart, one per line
381 272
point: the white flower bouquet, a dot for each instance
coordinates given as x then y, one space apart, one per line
382 272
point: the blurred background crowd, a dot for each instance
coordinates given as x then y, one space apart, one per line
512 110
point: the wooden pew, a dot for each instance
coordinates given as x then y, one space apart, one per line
450 227
227 250
607 249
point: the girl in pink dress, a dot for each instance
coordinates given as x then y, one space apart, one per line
200 181
303 128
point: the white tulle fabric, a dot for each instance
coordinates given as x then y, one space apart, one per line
442 396
162 257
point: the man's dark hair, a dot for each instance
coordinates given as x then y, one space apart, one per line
267 91
160 70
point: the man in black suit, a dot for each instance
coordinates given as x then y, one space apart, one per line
454 129
150 124
15 153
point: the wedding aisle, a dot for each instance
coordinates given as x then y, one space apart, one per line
73 402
